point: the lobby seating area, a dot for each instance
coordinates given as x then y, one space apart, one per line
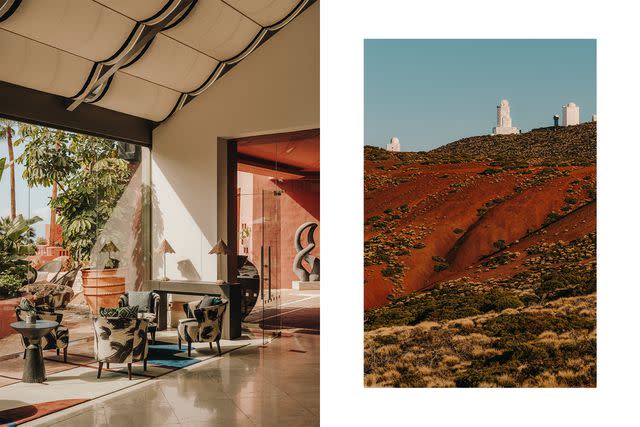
241 382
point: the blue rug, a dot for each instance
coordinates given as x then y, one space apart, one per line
168 355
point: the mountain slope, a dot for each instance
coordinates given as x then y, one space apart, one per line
480 262
427 221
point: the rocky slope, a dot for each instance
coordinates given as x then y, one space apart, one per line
482 272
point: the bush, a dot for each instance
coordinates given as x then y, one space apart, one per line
418 245
9 286
392 270
438 259
458 230
440 267
570 200
500 244
551 218
498 300
490 171
371 219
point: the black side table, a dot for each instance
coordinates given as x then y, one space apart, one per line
34 362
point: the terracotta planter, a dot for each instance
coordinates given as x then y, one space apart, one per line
8 315
102 288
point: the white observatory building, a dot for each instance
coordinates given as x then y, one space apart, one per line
503 125
394 145
570 114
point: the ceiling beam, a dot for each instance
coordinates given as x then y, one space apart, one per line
44 109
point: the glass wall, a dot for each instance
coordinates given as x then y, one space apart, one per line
95 192
279 192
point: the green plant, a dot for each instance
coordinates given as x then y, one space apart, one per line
500 244
490 171
440 267
27 306
89 173
10 286
111 261
551 218
458 230
16 243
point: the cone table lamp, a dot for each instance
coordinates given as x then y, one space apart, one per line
165 248
219 248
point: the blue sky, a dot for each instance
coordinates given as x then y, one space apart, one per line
39 196
432 92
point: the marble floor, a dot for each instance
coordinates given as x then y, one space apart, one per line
273 385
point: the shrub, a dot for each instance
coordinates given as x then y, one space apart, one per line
440 267
438 259
404 208
570 200
490 171
500 244
390 271
9 286
498 300
388 211
551 218
458 230
371 220
418 245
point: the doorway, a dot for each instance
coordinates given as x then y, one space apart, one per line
277 190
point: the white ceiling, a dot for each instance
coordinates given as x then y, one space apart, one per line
54 46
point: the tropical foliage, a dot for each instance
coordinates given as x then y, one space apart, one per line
9 286
89 174
17 242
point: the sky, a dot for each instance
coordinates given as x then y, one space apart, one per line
39 196
432 92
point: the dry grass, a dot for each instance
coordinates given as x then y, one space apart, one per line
545 345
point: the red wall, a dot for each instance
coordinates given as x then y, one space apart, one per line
299 203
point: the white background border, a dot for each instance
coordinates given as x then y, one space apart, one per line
344 25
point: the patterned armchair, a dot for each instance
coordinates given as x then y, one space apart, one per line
148 304
205 326
56 339
120 340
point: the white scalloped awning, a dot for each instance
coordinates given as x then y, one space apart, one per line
143 58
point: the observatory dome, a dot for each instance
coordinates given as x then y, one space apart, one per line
395 140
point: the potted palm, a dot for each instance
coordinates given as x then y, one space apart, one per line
91 178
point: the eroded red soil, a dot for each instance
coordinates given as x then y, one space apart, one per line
518 208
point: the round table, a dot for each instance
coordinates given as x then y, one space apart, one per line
34 362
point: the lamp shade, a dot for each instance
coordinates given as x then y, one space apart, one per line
220 248
165 247
109 247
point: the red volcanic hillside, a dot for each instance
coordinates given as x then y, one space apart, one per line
472 208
